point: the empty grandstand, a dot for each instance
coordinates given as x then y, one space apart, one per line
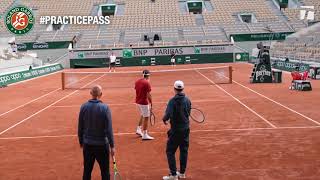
162 23
304 45
171 20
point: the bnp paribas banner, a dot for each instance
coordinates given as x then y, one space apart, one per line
10 78
43 45
261 36
144 52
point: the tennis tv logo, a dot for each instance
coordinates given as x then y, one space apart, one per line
19 20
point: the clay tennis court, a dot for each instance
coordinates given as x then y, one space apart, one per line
252 131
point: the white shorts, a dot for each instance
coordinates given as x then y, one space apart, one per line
144 110
173 60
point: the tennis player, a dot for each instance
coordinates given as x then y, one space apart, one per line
144 103
95 134
178 111
112 63
172 59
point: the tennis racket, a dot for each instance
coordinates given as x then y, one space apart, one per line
197 115
116 175
152 118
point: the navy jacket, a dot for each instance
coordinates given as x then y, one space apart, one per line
178 111
95 124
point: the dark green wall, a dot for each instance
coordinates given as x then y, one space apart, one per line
160 60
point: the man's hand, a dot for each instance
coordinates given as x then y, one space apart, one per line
113 151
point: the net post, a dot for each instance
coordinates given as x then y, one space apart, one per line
62 80
230 74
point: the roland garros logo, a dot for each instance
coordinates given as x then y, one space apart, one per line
19 20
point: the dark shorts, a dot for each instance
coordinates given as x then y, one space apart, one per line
112 64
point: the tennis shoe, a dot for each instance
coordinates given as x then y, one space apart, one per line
146 136
181 176
139 131
170 177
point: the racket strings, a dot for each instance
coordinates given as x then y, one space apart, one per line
197 115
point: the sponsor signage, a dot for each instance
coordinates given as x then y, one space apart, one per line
29 74
166 51
290 66
43 45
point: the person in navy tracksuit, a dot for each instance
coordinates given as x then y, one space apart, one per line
95 134
178 111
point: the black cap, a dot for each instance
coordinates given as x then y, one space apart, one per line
146 72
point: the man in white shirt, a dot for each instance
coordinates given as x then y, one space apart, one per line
14 47
172 59
112 63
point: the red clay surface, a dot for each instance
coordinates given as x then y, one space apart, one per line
258 139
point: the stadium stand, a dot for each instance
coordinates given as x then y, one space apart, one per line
226 11
293 14
304 45
136 19
145 14
4 4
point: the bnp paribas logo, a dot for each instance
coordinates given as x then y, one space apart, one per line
19 20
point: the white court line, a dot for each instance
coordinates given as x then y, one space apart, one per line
286 107
29 102
165 131
2 132
125 104
254 112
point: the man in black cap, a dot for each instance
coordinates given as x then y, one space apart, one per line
178 111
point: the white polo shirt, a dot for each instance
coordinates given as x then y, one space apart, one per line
113 59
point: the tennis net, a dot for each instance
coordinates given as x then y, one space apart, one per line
190 76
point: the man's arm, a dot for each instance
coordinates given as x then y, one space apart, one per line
166 116
149 93
80 126
149 98
108 129
189 106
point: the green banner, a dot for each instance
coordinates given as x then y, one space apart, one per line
260 36
44 45
242 56
194 5
127 53
197 50
160 60
108 9
283 3
290 66
152 51
29 74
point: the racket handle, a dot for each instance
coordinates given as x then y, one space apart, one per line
114 159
